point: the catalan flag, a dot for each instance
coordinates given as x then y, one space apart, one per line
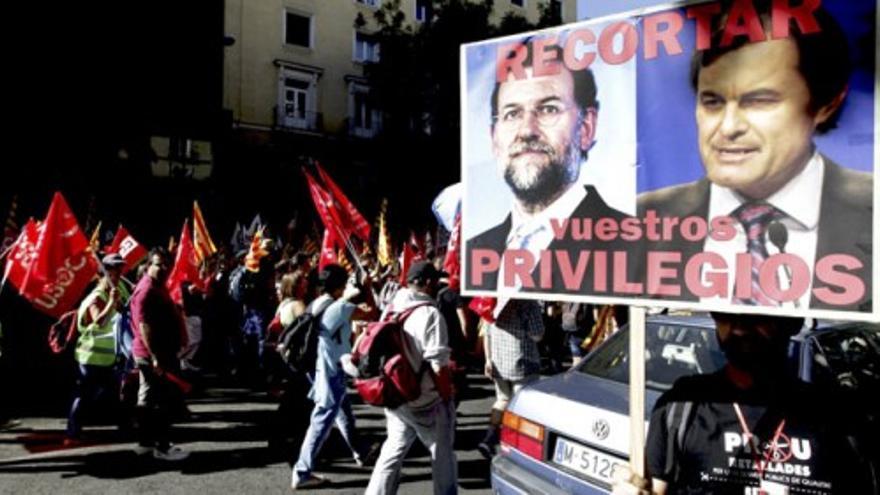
202 241
95 240
384 254
257 251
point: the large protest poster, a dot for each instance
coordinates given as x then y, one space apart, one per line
688 156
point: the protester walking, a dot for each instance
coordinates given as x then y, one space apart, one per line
336 310
95 352
158 333
430 417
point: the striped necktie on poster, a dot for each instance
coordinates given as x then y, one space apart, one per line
755 217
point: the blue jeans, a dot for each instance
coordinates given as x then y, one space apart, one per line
94 384
325 414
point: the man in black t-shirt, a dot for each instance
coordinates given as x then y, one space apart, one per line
752 428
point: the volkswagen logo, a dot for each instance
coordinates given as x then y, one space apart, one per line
601 429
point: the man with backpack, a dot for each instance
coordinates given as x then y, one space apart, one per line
431 416
96 346
333 311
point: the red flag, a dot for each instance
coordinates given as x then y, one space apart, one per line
21 256
484 307
452 262
326 209
407 259
54 262
328 249
186 268
349 215
127 247
418 244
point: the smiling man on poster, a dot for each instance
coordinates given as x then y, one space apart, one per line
758 107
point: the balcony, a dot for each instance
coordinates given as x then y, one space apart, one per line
292 119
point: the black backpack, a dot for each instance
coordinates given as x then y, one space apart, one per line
298 343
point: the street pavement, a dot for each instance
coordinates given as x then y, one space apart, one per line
227 434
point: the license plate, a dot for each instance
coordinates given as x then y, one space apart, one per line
584 460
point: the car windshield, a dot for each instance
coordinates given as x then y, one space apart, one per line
671 351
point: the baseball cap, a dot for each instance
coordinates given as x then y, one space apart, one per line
113 260
424 270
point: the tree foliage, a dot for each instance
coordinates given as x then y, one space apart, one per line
416 85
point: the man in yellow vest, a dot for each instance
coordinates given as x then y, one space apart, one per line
96 344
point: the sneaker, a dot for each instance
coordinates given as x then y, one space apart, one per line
172 453
312 481
142 450
9 424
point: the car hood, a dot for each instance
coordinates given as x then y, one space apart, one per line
574 403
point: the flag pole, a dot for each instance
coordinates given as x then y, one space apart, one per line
637 390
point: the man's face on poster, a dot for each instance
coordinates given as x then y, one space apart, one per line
755 130
539 134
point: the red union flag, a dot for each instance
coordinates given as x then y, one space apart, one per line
52 264
186 268
452 262
328 249
326 209
349 216
21 256
127 247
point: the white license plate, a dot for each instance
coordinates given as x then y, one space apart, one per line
589 462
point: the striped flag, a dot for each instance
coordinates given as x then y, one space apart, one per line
342 260
309 245
384 248
257 251
95 240
202 241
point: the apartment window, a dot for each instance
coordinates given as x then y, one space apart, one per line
371 3
364 118
518 3
298 29
366 48
296 108
556 8
424 10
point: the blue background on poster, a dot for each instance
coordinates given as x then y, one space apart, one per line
668 152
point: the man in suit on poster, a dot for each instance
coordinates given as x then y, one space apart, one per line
758 107
542 130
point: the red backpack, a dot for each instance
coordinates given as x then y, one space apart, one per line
387 379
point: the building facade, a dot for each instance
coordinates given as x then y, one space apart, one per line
297 65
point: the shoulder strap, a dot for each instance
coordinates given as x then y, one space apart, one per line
403 315
678 417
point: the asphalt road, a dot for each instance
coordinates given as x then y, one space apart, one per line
227 433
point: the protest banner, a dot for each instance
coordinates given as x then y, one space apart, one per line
685 156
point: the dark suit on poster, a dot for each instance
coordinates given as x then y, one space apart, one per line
845 223
593 207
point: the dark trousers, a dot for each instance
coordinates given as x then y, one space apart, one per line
156 400
96 385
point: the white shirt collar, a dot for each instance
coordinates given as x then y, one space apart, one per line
789 199
562 208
